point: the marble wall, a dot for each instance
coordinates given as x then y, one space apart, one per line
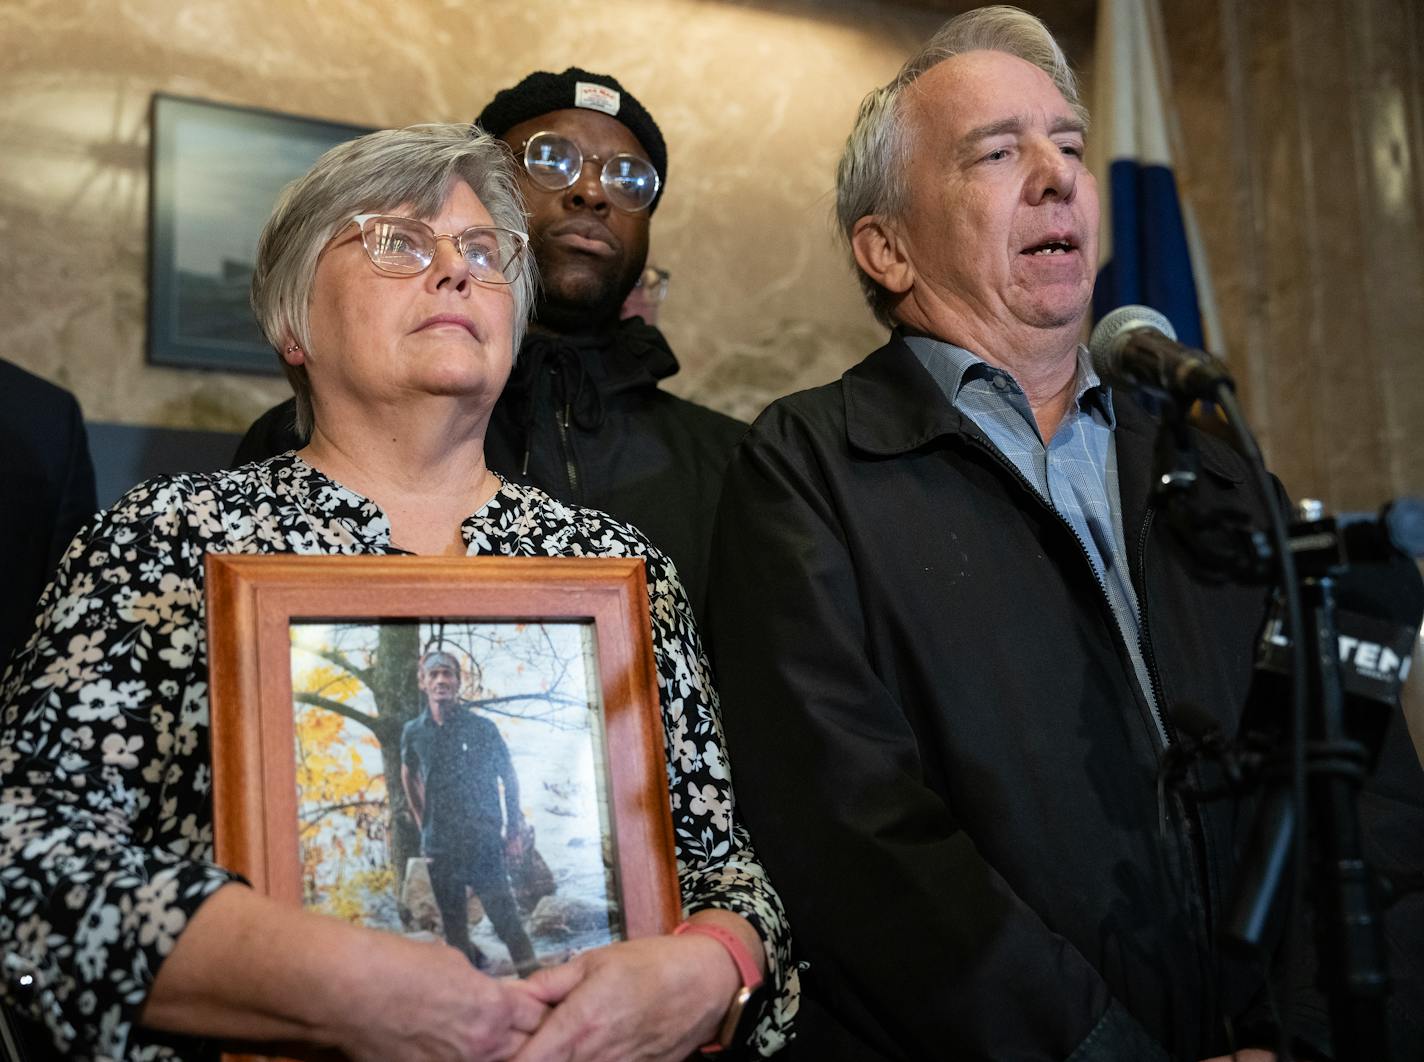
1303 122
755 101
1304 127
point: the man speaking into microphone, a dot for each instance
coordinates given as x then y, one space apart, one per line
952 632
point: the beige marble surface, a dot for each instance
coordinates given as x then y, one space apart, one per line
1304 126
1301 123
755 102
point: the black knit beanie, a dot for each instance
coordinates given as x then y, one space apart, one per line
542 92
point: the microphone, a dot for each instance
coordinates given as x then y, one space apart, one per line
1137 346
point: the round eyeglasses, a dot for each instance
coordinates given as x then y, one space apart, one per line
406 247
554 162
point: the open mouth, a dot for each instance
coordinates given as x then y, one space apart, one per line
1050 247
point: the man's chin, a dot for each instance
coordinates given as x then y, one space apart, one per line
578 304
1055 313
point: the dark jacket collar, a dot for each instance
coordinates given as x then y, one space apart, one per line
894 406
633 355
574 377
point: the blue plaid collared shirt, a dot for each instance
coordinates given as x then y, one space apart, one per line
1075 474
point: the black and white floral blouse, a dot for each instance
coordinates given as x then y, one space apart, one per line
105 810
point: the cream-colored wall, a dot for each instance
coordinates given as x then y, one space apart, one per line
1305 126
754 101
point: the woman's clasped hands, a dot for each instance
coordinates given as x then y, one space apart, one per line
657 998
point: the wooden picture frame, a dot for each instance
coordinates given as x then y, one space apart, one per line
261 615
216 171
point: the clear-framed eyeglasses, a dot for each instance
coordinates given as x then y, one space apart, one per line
406 247
554 162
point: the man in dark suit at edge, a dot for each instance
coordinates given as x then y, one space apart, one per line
46 493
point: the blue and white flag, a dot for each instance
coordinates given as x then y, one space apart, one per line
1147 247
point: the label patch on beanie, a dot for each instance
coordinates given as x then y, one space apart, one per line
596 97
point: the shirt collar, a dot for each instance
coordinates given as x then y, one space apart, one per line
957 366
345 517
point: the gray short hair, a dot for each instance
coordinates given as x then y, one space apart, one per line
379 171
871 175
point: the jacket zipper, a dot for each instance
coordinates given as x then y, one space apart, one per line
1155 700
561 421
1144 645
570 468
1188 814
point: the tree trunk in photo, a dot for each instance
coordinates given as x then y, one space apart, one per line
397 697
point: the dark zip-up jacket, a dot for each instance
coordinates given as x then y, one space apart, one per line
939 745
583 419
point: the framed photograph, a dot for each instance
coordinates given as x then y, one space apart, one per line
216 173
466 749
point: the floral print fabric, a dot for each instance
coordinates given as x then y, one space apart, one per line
105 784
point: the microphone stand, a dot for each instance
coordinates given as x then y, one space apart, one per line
1349 932
1321 758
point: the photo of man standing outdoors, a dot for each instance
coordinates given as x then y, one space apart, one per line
452 765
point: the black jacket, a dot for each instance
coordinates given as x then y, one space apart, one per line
939 747
46 493
584 420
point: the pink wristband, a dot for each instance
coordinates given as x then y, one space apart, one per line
746 963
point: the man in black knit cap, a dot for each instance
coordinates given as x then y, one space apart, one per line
582 416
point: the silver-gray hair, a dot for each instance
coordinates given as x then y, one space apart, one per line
410 167
871 177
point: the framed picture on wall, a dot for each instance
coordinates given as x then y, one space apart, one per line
216 172
466 749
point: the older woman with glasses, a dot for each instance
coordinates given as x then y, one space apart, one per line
394 282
